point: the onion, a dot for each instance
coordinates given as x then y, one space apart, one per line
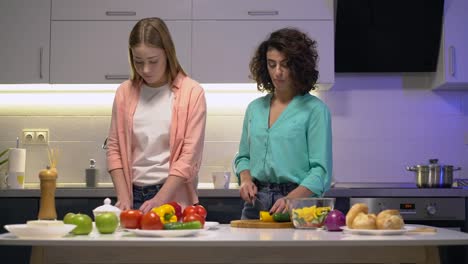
334 220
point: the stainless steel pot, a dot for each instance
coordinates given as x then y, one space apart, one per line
433 175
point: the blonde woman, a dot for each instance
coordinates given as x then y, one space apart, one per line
157 130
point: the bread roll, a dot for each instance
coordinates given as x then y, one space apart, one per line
390 219
364 221
354 211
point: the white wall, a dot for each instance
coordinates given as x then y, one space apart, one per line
381 124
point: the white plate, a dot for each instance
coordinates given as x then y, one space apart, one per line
375 232
164 233
28 231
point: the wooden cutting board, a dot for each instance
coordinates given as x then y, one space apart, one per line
260 224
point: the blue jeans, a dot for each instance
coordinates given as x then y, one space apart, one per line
142 194
267 195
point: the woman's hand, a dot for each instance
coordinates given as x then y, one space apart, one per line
172 184
150 204
123 205
279 206
248 189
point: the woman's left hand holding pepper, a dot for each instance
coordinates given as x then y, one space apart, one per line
150 204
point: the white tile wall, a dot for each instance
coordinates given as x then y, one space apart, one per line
381 124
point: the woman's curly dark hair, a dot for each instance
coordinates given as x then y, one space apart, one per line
301 54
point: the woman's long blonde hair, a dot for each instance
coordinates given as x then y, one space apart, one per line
153 32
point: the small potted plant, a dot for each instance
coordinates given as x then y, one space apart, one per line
3 160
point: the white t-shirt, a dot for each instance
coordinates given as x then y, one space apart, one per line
151 126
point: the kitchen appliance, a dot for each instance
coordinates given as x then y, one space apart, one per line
433 175
388 35
445 212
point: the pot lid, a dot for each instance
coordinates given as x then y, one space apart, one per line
433 163
107 207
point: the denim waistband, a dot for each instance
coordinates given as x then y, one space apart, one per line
148 188
275 186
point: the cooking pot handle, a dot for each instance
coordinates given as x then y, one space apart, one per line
408 168
458 168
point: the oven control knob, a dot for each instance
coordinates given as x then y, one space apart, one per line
431 210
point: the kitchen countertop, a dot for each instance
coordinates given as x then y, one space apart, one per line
206 190
247 237
70 192
239 245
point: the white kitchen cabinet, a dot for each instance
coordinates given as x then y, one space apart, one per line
262 9
225 35
452 66
25 33
90 46
97 51
222 49
120 9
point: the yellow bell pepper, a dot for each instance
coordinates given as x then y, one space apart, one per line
265 216
166 213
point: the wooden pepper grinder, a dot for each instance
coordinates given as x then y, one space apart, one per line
48 179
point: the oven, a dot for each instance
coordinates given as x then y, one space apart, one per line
444 212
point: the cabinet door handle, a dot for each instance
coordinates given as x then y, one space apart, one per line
41 51
116 77
120 13
263 13
452 60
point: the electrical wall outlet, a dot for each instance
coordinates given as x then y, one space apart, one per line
28 137
35 136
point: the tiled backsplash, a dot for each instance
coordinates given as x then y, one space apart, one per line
380 125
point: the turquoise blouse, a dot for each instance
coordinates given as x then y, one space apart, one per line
296 148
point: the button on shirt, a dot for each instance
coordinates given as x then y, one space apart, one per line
296 148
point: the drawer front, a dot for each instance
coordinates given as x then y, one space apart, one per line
262 9
120 9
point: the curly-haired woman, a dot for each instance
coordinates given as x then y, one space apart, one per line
286 145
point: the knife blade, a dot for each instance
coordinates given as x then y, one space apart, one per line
256 201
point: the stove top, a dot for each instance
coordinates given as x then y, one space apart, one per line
388 185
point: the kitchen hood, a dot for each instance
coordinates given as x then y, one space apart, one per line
387 35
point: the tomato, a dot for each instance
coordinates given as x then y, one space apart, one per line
201 210
194 217
151 221
189 210
195 209
131 218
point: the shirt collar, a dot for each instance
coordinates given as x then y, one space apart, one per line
177 83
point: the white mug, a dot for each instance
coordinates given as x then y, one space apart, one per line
221 179
15 180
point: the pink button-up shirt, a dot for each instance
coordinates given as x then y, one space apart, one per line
187 134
